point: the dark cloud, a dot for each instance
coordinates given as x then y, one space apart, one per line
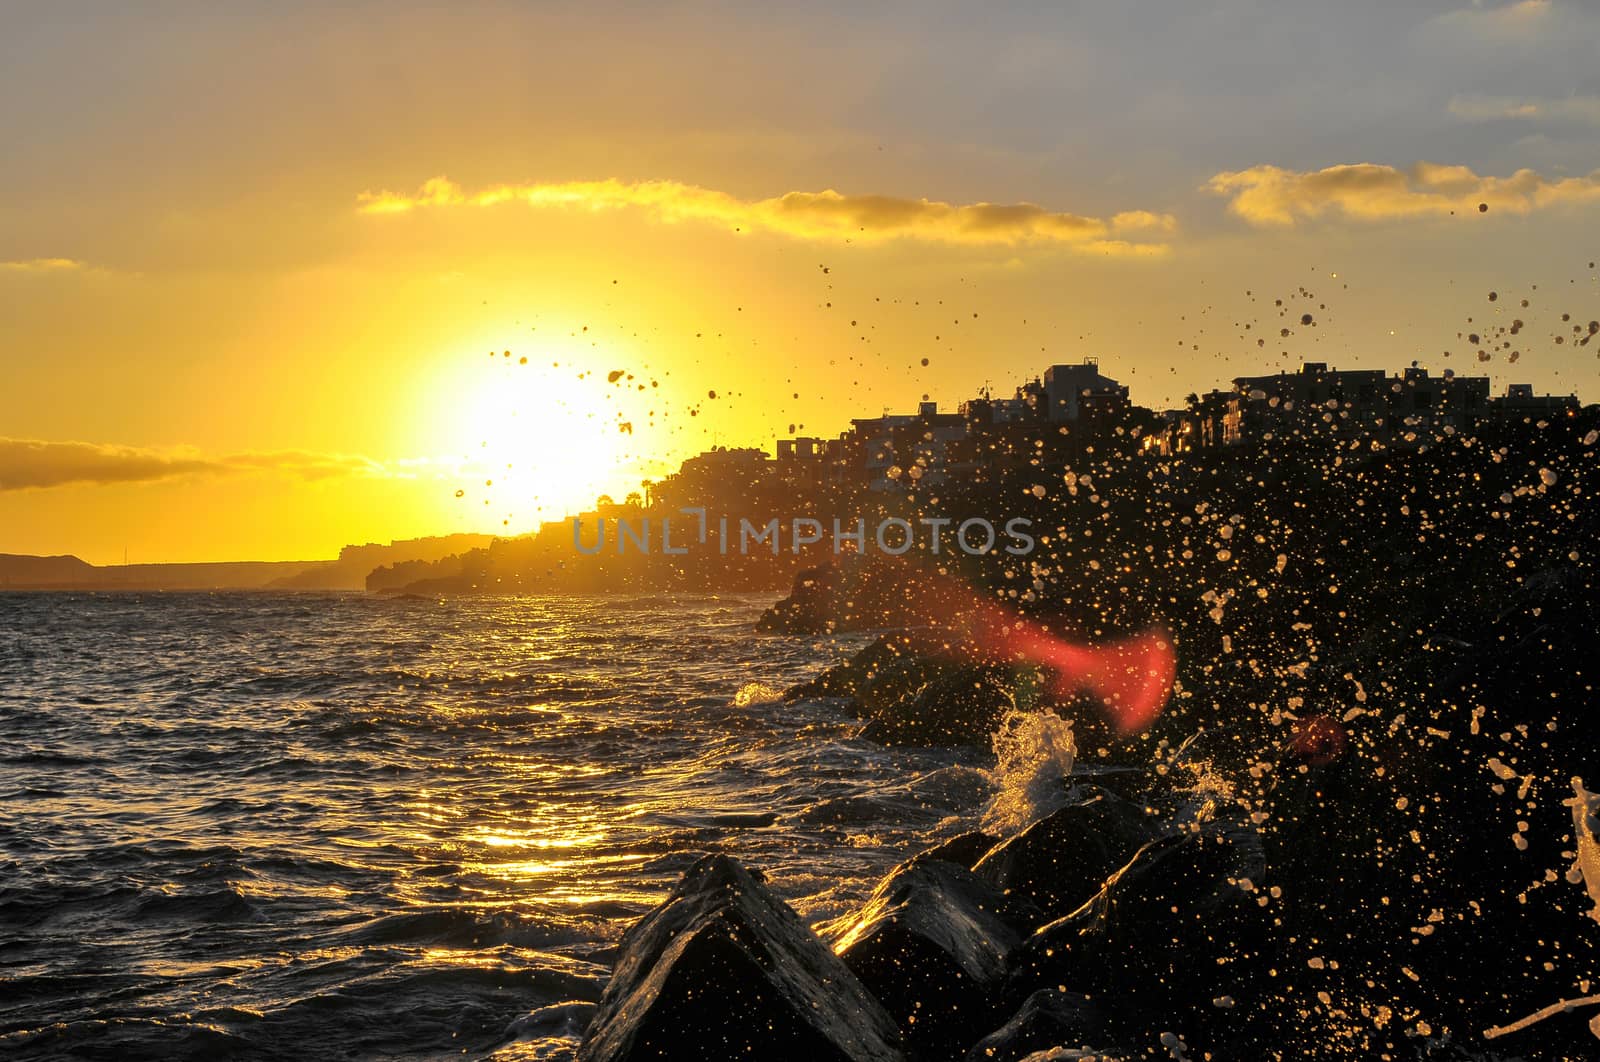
35 463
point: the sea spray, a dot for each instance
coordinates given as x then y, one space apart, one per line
1585 869
1034 754
754 693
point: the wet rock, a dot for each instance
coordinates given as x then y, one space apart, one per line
964 849
1174 930
724 969
929 688
1063 859
932 944
862 592
1049 1018
894 666
809 606
960 707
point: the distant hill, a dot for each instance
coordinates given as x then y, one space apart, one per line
355 563
348 572
21 572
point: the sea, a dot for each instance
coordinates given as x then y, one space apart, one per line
263 826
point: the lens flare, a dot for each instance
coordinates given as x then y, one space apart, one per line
1130 677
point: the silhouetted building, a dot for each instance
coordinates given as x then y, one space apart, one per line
1448 400
1520 403
721 473
901 451
1027 405
1074 392
810 461
1074 410
1399 410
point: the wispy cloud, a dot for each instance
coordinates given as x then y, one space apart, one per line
36 463
1270 195
43 265
1583 110
824 215
1518 19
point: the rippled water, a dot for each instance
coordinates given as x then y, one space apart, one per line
257 825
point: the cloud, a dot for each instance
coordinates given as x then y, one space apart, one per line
35 463
1270 195
43 265
1584 110
824 215
1518 20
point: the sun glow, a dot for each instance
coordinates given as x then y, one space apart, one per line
544 448
542 436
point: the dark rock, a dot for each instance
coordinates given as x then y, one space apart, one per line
893 667
863 592
1174 930
929 688
964 849
1048 1018
724 969
1063 859
1129 783
960 707
932 943
809 606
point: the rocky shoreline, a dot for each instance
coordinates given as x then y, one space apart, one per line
1109 929
1343 892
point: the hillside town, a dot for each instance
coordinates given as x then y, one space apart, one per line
1074 410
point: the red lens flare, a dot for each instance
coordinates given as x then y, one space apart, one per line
1131 677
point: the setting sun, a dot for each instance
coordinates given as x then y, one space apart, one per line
543 445
542 434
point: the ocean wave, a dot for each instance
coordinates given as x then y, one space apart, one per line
547 1034
1034 755
205 905
455 928
134 1039
377 831
754 693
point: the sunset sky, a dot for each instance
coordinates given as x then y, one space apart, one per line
260 264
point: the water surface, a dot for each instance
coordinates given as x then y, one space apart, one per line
290 826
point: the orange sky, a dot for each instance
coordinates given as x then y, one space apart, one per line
253 263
